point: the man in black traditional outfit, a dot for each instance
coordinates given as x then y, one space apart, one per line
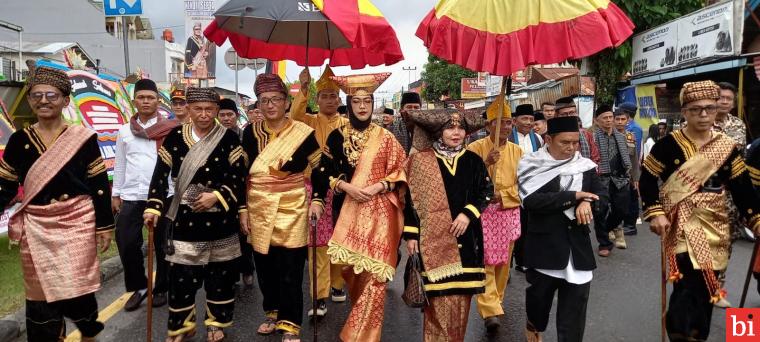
207 164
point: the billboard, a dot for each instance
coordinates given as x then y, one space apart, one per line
709 33
200 53
472 89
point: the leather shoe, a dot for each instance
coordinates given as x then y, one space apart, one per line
520 268
159 299
134 301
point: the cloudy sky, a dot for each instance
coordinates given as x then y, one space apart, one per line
403 15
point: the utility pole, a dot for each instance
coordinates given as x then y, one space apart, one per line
125 36
409 69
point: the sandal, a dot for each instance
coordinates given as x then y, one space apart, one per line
213 334
268 327
288 337
179 338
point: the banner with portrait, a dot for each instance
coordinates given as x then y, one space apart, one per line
200 53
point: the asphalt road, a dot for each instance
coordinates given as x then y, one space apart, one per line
624 305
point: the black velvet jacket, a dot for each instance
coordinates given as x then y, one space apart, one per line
84 174
223 173
468 189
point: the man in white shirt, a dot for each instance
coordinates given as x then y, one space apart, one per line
522 133
559 189
136 153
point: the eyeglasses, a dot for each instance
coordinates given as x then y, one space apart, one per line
50 96
275 101
179 102
696 110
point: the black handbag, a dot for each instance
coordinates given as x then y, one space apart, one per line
414 290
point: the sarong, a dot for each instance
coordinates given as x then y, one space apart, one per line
500 228
446 318
325 223
365 322
59 250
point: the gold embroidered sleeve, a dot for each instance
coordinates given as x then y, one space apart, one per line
7 172
654 166
96 167
737 167
165 156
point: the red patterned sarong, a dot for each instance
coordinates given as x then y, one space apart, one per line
500 228
59 251
325 223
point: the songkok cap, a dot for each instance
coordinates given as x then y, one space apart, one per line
538 116
228 104
562 125
342 109
269 82
388 111
325 83
178 94
565 102
626 108
702 90
410 97
429 124
202 95
602 109
360 84
524 109
493 109
53 77
146 84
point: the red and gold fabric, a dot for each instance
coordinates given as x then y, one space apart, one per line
366 234
445 318
365 321
504 36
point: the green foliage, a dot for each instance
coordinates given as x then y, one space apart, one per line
443 79
612 64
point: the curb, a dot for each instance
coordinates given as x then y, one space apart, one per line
13 325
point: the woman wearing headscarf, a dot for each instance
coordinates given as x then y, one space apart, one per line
449 187
363 164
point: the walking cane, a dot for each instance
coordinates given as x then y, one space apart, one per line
150 285
663 289
314 300
749 272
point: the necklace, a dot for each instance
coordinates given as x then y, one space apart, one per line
354 142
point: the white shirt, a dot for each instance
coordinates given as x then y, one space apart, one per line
135 161
570 274
526 144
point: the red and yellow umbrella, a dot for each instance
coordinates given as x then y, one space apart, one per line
504 36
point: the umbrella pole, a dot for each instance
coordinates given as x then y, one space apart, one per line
506 83
313 224
149 316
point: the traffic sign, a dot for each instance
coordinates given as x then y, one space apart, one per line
116 8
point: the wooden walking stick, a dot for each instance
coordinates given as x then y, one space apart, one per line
663 288
150 285
749 272
314 300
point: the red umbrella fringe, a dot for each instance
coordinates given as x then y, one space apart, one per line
546 43
385 48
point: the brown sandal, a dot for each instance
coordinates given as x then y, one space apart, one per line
179 338
268 327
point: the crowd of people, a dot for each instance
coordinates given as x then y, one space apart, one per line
347 194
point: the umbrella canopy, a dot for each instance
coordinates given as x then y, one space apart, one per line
282 30
504 36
